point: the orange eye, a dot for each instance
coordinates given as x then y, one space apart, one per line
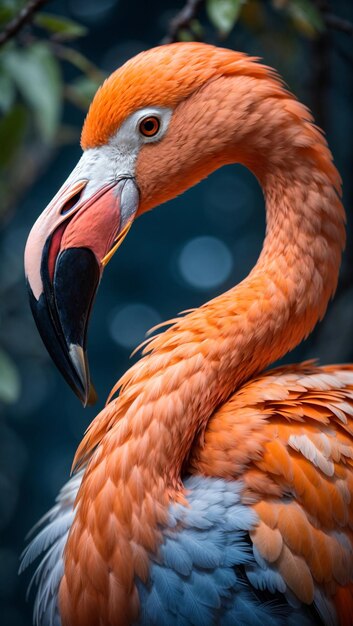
149 126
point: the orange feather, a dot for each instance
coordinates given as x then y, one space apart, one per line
344 604
196 401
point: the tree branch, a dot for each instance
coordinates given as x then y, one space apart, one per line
333 21
182 20
192 7
24 17
338 23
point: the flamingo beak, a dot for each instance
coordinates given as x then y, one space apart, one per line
66 252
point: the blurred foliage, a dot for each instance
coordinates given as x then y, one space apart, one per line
34 74
225 14
32 91
60 27
304 14
9 379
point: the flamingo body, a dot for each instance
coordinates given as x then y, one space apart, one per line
270 438
207 491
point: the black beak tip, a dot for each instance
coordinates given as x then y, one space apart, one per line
87 395
72 362
62 314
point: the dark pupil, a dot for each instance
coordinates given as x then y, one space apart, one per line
149 125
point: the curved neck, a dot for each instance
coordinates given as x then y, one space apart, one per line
140 442
205 356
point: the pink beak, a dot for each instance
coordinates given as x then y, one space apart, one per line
66 251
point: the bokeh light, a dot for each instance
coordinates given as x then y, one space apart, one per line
91 10
129 324
205 262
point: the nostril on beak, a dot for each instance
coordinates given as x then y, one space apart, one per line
71 202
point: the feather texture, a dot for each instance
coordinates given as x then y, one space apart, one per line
213 494
212 588
49 544
305 533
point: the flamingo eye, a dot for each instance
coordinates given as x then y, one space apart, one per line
149 126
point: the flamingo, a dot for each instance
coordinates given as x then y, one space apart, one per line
209 490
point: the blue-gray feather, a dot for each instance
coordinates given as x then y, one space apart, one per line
198 576
49 543
206 571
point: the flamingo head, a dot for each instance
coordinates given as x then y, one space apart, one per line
147 137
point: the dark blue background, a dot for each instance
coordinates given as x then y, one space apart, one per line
174 258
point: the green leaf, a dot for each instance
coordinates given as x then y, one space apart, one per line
9 379
5 15
7 91
8 9
37 75
306 16
224 13
61 27
12 130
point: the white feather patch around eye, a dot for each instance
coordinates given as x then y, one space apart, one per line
117 159
129 137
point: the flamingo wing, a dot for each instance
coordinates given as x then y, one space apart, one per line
288 435
264 535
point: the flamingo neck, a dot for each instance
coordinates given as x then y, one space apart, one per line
197 363
140 443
